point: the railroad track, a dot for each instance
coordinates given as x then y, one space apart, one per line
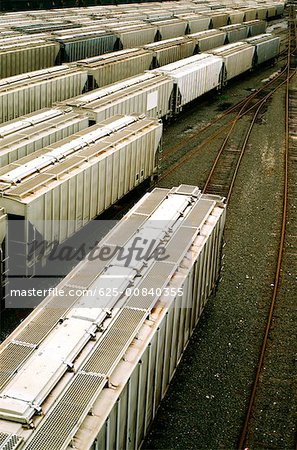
209 133
287 238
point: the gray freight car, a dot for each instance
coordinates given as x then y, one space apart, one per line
82 44
267 47
59 189
125 340
27 134
115 66
31 91
149 94
26 55
256 27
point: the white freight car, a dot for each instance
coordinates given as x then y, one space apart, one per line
125 342
115 66
237 57
149 94
22 94
27 134
171 50
60 188
26 55
193 77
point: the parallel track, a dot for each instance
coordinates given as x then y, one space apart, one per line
290 155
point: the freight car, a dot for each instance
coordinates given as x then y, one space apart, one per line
60 188
237 58
266 47
3 265
31 91
193 77
27 134
150 93
204 40
171 50
116 66
80 44
105 360
26 55
164 91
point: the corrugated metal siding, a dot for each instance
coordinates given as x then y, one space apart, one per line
235 16
3 218
80 47
209 39
135 36
117 66
129 410
267 47
170 28
256 27
194 77
236 32
166 52
151 99
24 142
27 57
238 58
32 93
89 181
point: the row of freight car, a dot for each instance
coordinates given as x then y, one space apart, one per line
104 361
35 46
93 167
30 54
32 91
153 11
